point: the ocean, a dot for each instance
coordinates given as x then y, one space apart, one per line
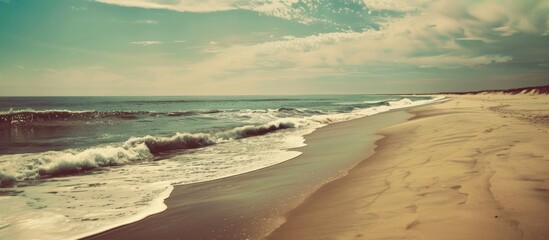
73 166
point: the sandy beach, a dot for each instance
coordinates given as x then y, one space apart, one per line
474 167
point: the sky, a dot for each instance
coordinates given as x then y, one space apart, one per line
270 47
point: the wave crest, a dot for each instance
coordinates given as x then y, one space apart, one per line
251 131
179 141
68 163
400 103
71 162
27 116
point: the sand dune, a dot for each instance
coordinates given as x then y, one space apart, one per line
474 167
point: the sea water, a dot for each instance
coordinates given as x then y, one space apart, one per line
74 166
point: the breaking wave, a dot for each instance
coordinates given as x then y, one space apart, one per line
379 101
400 103
181 141
136 149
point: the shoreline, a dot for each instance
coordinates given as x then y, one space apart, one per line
471 167
158 207
216 199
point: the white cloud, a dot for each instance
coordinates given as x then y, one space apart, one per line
146 43
432 38
475 39
395 5
436 34
182 6
278 8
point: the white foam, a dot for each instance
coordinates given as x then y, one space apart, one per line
59 163
30 110
156 206
378 101
363 112
87 204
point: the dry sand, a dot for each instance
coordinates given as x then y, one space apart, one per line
474 167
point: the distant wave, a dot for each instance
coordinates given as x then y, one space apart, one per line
191 113
216 100
70 162
29 115
400 103
393 102
300 111
367 103
380 101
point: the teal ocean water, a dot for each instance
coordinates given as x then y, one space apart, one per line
78 165
35 124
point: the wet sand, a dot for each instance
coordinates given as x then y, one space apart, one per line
251 205
475 167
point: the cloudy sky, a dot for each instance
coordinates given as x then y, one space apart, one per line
225 47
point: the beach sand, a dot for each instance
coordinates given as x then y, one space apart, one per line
474 167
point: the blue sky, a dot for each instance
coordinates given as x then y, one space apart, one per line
206 47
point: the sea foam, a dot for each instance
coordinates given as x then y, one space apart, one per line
136 149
